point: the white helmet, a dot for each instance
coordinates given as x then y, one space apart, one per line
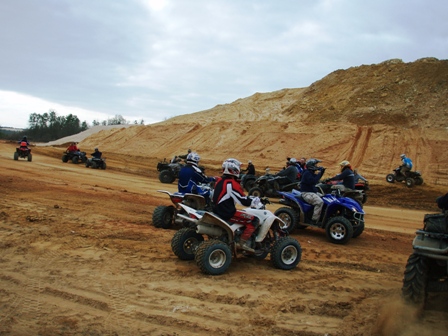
403 156
193 158
231 167
293 160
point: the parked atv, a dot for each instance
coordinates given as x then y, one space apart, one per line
96 163
427 267
169 172
23 152
214 254
411 178
165 216
75 157
268 186
247 181
342 218
335 188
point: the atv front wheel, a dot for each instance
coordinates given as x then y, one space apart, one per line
286 253
185 243
213 257
410 182
415 279
248 185
75 159
358 230
16 156
339 230
256 192
166 176
390 178
163 216
64 158
289 216
418 181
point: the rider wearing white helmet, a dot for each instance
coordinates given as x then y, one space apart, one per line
227 193
190 175
347 175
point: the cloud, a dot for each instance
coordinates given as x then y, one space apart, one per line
154 59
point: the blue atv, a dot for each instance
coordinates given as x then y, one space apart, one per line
342 218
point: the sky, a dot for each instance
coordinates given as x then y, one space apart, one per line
152 60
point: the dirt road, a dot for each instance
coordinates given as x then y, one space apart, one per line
79 256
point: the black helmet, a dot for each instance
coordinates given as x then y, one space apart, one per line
311 164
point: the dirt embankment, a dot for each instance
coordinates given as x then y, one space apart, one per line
79 256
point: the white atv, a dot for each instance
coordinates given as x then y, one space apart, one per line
214 254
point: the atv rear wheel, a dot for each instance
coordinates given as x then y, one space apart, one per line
185 242
289 216
415 279
64 158
390 178
213 257
418 181
339 230
16 156
286 253
75 159
30 157
248 185
163 216
166 176
410 182
256 192
103 166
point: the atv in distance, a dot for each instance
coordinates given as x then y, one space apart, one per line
427 267
169 172
96 163
24 153
267 186
411 178
75 157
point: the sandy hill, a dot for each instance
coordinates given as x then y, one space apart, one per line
368 114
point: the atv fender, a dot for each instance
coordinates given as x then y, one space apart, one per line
422 244
213 220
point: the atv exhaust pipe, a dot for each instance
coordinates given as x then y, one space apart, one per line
209 230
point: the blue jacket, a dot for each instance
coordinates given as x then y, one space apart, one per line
407 162
189 177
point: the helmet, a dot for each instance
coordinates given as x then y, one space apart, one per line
96 148
293 160
189 150
403 156
231 167
344 163
249 162
311 164
193 158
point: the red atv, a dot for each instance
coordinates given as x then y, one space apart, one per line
23 152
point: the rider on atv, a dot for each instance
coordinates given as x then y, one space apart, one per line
347 175
308 187
289 174
24 143
406 164
191 175
228 192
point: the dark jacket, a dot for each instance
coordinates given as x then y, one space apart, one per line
96 154
309 180
227 192
347 176
250 169
290 172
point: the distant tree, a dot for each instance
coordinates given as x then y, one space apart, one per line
95 123
117 120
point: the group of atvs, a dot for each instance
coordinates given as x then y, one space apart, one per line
342 218
81 157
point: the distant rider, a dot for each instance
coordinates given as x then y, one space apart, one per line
73 148
24 143
308 187
406 164
289 174
184 157
96 154
347 175
227 193
190 175
250 170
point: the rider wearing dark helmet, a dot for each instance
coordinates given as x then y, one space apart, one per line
310 177
184 157
24 142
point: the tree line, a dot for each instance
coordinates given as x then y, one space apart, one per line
50 126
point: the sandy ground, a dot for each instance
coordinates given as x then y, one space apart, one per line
79 256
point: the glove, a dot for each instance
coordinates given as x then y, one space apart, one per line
255 203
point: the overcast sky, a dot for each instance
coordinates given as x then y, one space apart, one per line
155 59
